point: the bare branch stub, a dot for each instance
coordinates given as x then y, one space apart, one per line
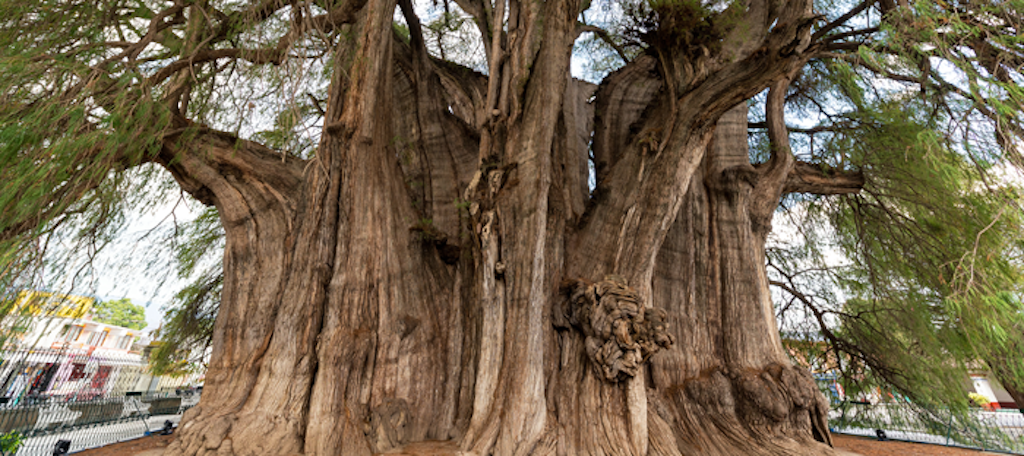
621 332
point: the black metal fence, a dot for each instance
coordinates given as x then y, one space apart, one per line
92 423
994 431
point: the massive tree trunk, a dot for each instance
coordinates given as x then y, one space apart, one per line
440 271
1005 374
1016 394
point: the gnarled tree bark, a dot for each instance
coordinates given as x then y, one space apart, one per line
440 271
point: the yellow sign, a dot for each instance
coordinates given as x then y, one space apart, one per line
40 303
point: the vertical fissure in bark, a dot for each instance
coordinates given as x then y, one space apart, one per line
345 414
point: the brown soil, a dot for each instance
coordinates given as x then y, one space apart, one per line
860 445
873 447
131 447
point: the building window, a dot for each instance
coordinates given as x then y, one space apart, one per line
77 371
71 333
96 338
124 342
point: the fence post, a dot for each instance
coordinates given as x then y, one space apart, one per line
949 427
984 438
842 415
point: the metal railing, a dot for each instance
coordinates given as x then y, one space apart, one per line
994 431
92 423
90 399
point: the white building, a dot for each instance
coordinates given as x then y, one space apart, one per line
53 348
984 383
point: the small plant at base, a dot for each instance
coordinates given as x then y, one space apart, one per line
978 399
10 442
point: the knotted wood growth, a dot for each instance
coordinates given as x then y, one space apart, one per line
769 401
621 332
386 427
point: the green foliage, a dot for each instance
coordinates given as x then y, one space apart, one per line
64 125
686 25
977 399
929 243
916 278
11 442
120 312
403 31
994 325
197 244
186 330
926 241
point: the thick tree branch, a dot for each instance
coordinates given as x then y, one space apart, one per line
415 28
842 19
851 33
815 179
191 163
785 51
657 157
806 131
603 34
496 82
748 33
769 187
778 135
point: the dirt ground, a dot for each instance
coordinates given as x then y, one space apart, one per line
873 447
151 445
859 445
